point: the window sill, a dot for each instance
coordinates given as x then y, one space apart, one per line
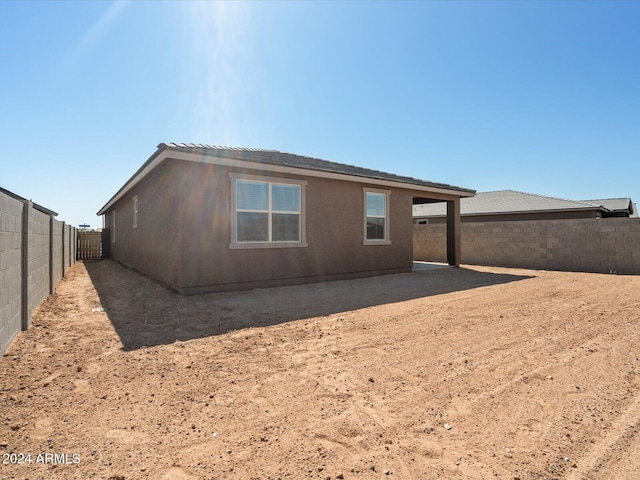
376 242
246 246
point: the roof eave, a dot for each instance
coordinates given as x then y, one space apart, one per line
161 147
520 212
165 152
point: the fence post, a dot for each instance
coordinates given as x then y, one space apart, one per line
62 246
51 286
24 296
70 239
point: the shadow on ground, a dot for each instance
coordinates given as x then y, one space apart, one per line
148 313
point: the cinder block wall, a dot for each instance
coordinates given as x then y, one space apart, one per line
57 252
38 259
10 269
44 262
586 245
70 246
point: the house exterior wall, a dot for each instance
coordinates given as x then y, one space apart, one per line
154 247
587 245
192 232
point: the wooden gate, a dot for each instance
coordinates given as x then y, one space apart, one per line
89 246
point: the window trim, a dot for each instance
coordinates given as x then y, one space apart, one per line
135 211
113 226
387 218
234 243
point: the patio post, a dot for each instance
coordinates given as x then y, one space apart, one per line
453 232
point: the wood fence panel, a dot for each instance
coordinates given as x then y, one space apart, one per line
89 246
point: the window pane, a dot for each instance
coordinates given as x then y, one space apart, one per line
285 227
375 228
252 195
285 198
375 204
253 227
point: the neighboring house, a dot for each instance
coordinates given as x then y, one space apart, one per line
616 207
37 207
510 205
204 218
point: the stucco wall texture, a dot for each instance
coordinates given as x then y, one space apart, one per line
584 245
184 232
47 257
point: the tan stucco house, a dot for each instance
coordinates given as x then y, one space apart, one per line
203 218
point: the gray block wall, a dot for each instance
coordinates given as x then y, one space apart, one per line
28 275
587 245
10 269
57 267
38 265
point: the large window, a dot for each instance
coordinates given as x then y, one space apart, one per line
267 213
376 213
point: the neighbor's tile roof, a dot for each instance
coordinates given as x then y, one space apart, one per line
275 157
613 204
35 205
504 201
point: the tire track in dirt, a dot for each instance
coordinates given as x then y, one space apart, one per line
294 399
619 437
538 373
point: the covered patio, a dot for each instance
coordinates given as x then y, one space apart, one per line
453 222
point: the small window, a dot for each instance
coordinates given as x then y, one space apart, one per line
267 213
135 212
376 217
113 226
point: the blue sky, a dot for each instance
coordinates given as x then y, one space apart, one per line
542 97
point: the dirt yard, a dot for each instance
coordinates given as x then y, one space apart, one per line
471 373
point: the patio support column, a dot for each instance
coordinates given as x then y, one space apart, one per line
453 232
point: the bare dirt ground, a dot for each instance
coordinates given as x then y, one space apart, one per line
471 373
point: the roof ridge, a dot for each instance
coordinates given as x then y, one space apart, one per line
582 202
215 147
612 198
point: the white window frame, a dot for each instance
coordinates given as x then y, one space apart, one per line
235 244
135 211
113 226
387 217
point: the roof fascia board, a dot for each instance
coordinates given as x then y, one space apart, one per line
518 212
232 162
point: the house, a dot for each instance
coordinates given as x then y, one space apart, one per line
203 218
510 205
616 207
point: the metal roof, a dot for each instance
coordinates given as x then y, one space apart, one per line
275 157
505 201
